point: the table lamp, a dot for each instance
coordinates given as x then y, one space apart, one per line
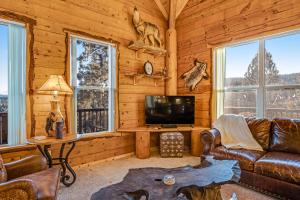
55 85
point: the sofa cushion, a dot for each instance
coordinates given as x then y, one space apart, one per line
245 157
260 129
280 165
285 135
46 182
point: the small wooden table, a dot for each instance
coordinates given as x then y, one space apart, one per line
142 138
195 183
62 160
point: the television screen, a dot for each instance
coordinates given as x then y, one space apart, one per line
169 109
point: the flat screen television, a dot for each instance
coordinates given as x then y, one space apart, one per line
169 110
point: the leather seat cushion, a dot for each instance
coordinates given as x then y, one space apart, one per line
245 157
260 129
285 135
46 182
280 165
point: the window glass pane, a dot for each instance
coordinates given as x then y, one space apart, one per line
283 103
92 78
3 83
282 60
241 65
240 102
92 111
92 64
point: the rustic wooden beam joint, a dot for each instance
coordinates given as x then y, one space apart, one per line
180 6
162 9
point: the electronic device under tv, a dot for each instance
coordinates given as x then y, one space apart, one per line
169 111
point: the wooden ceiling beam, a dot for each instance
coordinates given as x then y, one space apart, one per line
180 6
162 9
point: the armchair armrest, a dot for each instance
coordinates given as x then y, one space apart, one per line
25 166
210 140
22 189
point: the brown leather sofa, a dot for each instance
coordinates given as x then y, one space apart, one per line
28 179
276 169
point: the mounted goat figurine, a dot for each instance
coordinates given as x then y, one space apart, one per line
146 30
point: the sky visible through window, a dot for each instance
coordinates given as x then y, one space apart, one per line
285 52
3 59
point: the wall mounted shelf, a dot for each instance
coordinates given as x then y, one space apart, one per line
140 47
156 77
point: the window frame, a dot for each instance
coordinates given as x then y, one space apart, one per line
261 88
22 136
112 81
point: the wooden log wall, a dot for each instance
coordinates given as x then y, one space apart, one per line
108 19
201 26
206 24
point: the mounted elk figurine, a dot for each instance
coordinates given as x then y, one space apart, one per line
195 75
146 30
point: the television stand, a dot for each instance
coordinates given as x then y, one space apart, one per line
169 126
142 138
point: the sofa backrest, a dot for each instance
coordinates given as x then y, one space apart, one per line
260 129
285 135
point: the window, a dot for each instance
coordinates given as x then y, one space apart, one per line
260 78
93 79
12 83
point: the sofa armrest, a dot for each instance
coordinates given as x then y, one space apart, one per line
22 189
25 166
210 140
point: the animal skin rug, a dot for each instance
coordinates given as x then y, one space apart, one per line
195 75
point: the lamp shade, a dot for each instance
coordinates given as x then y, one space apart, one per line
55 84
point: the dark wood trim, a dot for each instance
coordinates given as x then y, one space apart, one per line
16 17
67 77
210 101
85 34
96 37
117 100
31 79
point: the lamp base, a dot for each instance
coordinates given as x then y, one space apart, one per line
59 129
55 121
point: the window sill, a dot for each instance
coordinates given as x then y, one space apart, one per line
10 149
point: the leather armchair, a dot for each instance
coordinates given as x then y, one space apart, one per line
29 179
25 166
210 139
18 190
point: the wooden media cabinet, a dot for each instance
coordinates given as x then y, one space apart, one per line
142 138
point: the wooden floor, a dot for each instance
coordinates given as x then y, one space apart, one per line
93 176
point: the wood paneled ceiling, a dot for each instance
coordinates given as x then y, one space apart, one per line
166 4
190 5
165 7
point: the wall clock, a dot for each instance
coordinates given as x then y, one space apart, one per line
148 68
